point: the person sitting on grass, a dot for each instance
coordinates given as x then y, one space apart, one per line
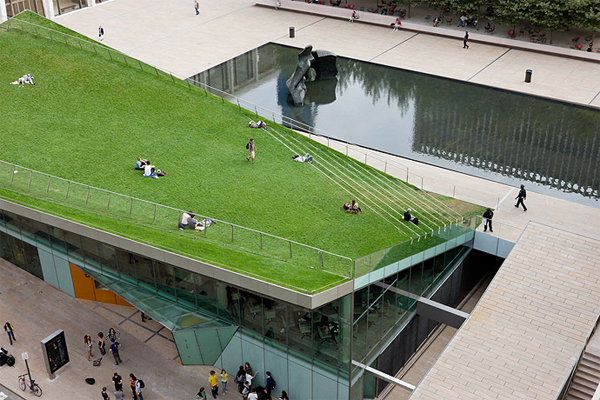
408 217
260 124
150 171
185 218
352 208
141 163
307 158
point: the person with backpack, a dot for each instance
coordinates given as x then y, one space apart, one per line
10 331
139 385
133 385
270 385
251 146
487 219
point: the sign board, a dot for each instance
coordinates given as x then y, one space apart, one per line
55 352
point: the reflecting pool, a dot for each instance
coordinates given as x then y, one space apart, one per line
491 133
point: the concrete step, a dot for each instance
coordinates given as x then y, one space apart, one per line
593 358
590 367
575 396
583 391
592 378
584 382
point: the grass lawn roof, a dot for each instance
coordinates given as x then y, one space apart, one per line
88 118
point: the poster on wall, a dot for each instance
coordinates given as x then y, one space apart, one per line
55 352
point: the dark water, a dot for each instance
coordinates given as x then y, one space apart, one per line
494 134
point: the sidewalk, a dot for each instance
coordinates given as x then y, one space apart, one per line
36 309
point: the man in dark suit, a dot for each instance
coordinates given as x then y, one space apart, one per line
521 198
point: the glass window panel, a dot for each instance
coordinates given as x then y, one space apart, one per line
184 285
206 293
164 277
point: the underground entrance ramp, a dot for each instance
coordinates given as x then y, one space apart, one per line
200 336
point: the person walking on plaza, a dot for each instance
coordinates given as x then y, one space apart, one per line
270 384
118 381
114 349
487 219
139 386
201 394
132 384
197 7
104 394
224 378
521 198
101 343
465 40
214 384
10 331
251 146
101 32
87 339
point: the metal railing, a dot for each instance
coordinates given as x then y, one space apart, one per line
157 215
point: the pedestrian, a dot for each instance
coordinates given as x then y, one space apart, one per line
112 334
201 394
114 349
251 146
270 385
465 40
197 7
118 381
118 394
10 331
139 385
224 377
101 343
253 395
104 394
246 390
240 378
521 198
87 339
284 395
101 32
277 4
487 219
214 384
132 384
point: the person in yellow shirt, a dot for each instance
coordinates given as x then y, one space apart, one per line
214 384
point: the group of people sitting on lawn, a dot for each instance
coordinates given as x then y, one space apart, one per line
352 208
26 79
188 220
150 170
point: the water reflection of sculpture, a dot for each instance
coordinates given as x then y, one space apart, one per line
312 65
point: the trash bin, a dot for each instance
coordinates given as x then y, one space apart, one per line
528 76
292 32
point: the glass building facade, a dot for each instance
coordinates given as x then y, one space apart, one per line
309 351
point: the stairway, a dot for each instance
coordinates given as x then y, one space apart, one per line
587 375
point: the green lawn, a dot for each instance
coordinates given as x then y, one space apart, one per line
88 118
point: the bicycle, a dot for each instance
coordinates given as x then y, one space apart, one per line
33 387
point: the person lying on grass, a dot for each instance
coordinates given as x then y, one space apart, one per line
352 208
26 79
307 158
141 163
259 124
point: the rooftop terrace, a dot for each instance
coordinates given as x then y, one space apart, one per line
95 112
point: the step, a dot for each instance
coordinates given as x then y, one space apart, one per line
585 382
589 376
583 390
576 396
590 366
591 357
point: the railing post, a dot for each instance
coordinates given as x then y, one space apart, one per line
141 67
173 79
130 205
454 192
231 233
385 167
68 187
87 196
12 176
110 55
155 70
48 187
239 107
125 59
80 46
154 218
30 176
290 248
406 174
320 259
366 153
261 247
108 203
346 149
95 51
